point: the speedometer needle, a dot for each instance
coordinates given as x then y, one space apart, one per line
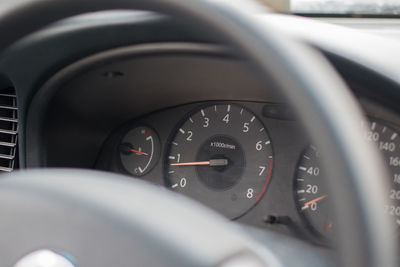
213 162
315 200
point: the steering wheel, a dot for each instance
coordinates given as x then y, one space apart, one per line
101 219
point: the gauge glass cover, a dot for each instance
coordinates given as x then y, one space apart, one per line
220 155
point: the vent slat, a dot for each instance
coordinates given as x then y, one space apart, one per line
8 129
4 156
8 144
8 119
8 132
8 107
8 95
6 169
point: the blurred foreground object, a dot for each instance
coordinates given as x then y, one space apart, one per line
277 5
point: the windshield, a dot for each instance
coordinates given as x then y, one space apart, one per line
378 7
338 7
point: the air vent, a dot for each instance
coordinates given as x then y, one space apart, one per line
8 129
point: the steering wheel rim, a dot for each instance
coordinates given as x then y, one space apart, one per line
112 220
323 104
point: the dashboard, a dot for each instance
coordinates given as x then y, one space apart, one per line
250 161
226 159
240 152
187 115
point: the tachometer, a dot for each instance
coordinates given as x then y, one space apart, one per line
221 155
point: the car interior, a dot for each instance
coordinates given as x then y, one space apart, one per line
199 133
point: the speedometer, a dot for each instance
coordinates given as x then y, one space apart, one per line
311 192
312 195
221 155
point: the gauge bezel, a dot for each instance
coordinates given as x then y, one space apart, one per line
316 236
155 160
196 109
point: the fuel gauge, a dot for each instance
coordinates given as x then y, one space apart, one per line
139 150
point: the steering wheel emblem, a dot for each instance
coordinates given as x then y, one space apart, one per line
44 258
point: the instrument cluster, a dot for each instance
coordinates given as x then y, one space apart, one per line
250 162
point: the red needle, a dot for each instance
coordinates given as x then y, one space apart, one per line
212 163
138 152
191 163
315 200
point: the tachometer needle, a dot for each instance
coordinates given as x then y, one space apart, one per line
213 162
315 200
138 152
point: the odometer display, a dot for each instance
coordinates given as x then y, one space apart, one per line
221 155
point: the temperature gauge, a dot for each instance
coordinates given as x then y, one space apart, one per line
139 150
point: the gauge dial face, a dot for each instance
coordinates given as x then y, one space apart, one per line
312 194
388 142
221 155
139 150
